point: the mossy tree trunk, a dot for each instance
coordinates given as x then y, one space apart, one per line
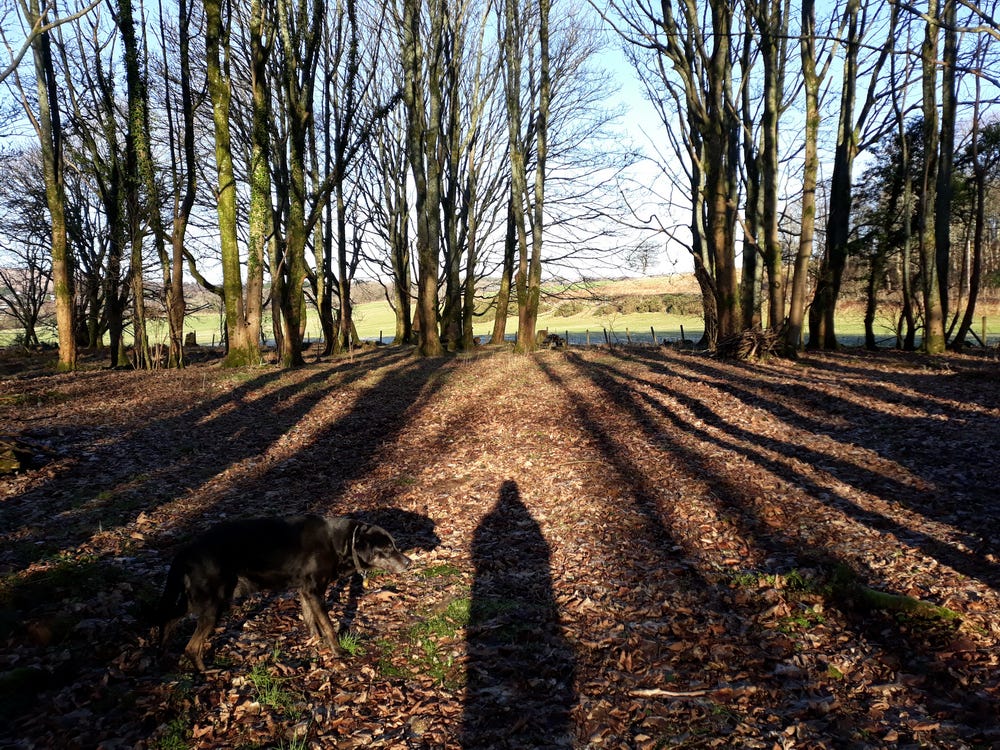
810 169
48 126
243 346
422 134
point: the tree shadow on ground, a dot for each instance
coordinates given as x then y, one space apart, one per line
520 685
113 476
898 439
900 645
206 467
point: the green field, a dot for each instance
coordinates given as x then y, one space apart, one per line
376 321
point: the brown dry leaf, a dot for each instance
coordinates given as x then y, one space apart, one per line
665 577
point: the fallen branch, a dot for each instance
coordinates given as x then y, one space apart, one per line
897 603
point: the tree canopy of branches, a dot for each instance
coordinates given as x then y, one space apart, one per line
719 73
462 147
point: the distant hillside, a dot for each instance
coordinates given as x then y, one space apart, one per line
676 295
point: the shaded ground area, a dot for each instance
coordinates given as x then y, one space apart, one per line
612 549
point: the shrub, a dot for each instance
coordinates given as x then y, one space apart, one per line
569 308
682 304
646 304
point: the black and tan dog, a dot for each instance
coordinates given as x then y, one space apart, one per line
305 552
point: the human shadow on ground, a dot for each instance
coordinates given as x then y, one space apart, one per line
520 687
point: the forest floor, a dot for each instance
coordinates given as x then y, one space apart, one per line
612 549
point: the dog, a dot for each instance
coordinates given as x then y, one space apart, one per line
303 552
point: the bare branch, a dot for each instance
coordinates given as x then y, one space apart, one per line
38 28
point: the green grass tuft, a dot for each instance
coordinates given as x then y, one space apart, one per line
270 688
351 643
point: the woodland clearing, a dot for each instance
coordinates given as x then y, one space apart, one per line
630 548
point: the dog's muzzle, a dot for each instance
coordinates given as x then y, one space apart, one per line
397 562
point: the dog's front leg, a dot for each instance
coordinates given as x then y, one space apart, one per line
316 616
196 646
308 615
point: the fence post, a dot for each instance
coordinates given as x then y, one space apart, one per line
653 334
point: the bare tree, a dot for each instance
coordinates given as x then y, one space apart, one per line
40 23
242 316
811 79
933 339
853 135
183 167
99 158
422 69
47 122
25 261
692 71
771 18
982 159
383 183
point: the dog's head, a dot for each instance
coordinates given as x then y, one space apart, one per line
374 547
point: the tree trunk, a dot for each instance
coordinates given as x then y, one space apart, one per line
261 218
822 332
719 146
243 348
399 248
979 173
752 274
871 299
773 25
452 318
422 142
300 54
800 276
506 279
933 342
471 252
175 288
946 157
49 128
141 176
528 313
346 316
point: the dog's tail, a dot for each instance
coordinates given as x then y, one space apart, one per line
173 602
